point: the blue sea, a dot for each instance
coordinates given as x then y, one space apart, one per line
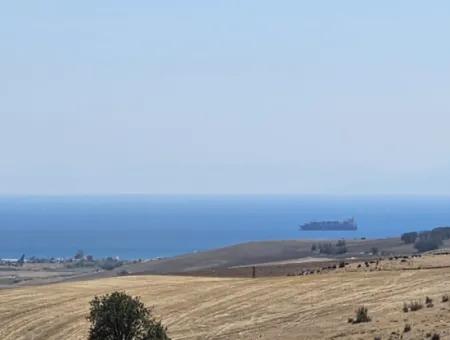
134 227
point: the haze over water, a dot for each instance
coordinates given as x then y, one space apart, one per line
151 226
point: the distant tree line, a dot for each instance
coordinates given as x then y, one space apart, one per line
329 248
427 240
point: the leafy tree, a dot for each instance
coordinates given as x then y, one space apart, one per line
409 237
118 316
109 263
426 244
79 255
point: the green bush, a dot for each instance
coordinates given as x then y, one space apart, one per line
409 237
427 244
405 307
361 315
109 263
415 306
118 316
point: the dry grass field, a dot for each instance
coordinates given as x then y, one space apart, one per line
300 307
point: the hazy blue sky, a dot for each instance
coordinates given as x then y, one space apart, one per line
225 97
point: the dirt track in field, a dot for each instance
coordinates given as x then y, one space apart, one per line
307 307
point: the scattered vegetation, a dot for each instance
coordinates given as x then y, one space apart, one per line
412 306
427 240
429 302
330 249
435 336
109 263
119 316
445 298
427 243
362 315
409 238
405 307
407 328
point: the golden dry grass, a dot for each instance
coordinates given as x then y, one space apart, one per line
307 307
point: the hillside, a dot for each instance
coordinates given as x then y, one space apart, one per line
236 308
259 252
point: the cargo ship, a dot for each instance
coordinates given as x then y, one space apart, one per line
349 224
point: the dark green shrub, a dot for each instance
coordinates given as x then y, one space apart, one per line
415 306
361 315
430 240
118 316
110 263
405 307
427 244
409 237
330 249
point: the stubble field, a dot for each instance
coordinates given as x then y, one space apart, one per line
300 307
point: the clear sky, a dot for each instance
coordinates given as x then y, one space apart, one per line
335 97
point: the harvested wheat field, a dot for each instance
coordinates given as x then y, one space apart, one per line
306 307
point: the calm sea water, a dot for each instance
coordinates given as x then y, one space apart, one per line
150 226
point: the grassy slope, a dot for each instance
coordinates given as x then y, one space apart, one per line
258 252
310 307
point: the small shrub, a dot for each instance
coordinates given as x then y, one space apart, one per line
428 300
405 307
435 336
377 338
361 315
350 320
415 306
445 298
407 328
110 263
